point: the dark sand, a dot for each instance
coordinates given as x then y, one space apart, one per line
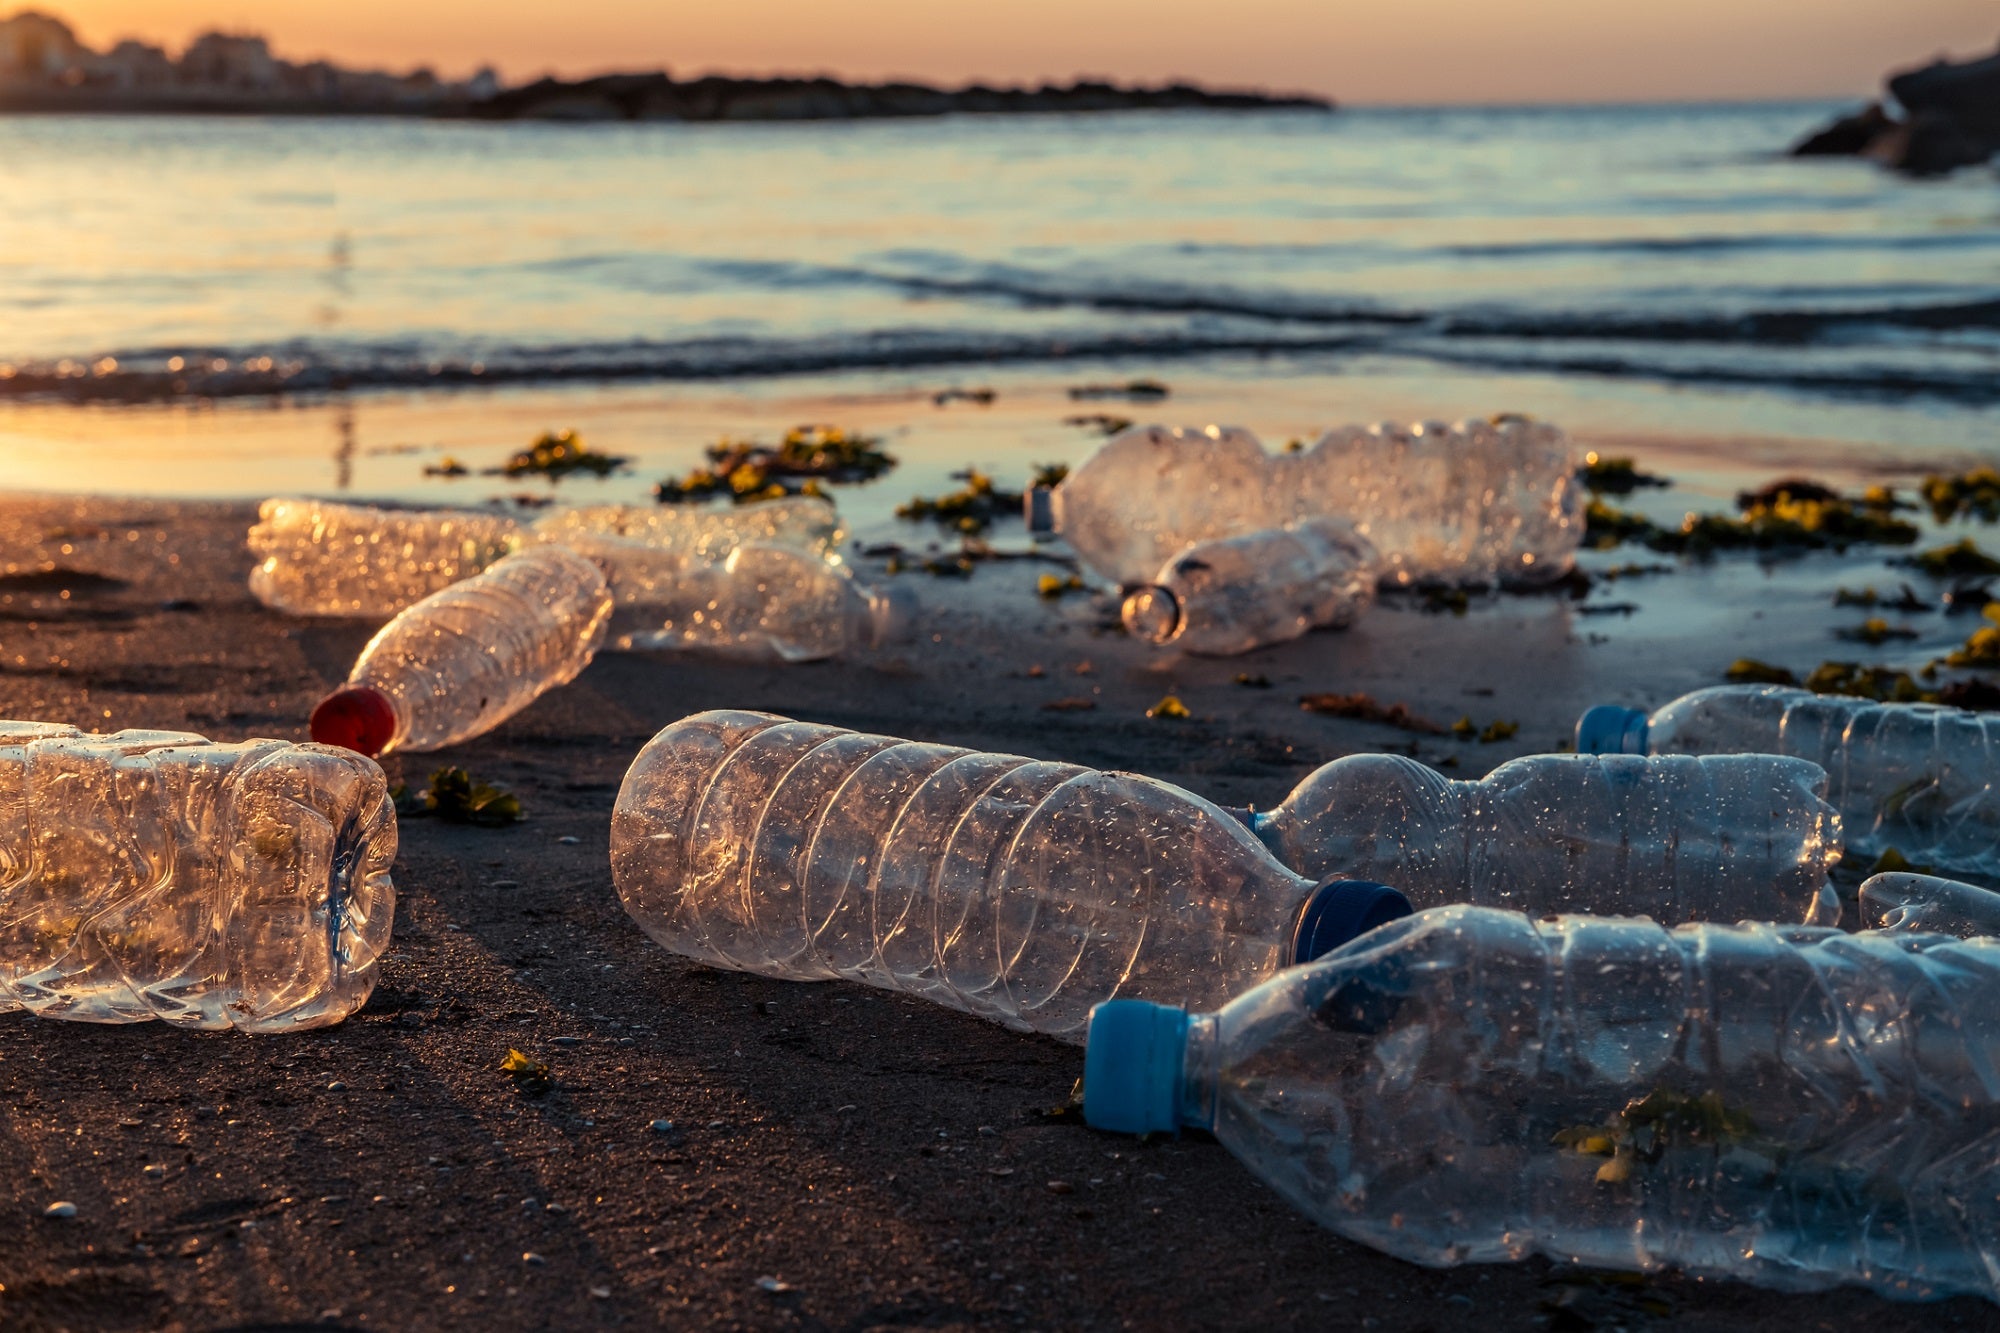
892 1164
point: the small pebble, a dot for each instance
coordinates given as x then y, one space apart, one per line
505 884
60 1208
554 1208
153 1169
336 1086
663 1126
530 1257
1061 1187
601 1293
568 841
1000 1171
568 1041
770 1286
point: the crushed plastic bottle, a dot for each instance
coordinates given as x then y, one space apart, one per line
1233 594
1918 778
1797 1107
1471 503
1927 905
1020 890
1676 838
317 558
462 661
152 874
764 601
320 558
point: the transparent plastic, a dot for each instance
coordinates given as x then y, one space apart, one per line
1676 838
1795 1107
1920 778
1234 594
1476 502
462 661
1021 890
762 601
317 558
150 874
1928 905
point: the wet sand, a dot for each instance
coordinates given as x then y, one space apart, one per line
887 1164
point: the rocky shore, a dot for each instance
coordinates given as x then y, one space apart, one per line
1946 116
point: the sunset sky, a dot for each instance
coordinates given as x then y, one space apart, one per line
1357 50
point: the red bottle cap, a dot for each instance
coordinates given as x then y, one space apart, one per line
355 717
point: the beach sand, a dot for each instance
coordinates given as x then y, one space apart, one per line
890 1164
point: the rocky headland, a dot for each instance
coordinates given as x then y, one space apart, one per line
1940 117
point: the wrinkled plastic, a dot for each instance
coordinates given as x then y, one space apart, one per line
761 601
321 558
462 661
1676 838
1021 890
1919 778
1927 905
1477 502
158 875
1796 1107
1234 594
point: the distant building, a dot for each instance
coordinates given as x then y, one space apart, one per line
231 61
36 48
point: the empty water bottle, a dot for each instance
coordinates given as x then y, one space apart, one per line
1469 503
1020 890
1914 777
1795 1107
1928 905
462 661
1237 593
318 558
1676 838
321 559
763 601
153 874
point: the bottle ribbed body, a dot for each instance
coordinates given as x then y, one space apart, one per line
463 660
1677 838
1469 503
1021 890
1928 905
1234 594
316 558
1920 778
1796 1107
759 601
802 522
158 875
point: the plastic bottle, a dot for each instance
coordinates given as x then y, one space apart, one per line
1676 838
1020 890
1927 905
463 660
1237 593
1794 1107
1918 778
318 558
153 874
1471 503
763 601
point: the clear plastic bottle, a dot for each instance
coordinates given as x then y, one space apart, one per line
1676 838
462 661
763 601
1020 890
1794 1107
1927 905
316 558
1234 594
1919 778
1470 503
152 874
319 558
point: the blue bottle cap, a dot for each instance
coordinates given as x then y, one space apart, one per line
1132 1066
1340 910
1039 509
1609 729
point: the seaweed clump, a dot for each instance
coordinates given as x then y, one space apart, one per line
558 454
808 455
1137 391
1881 684
1615 476
971 508
1960 559
1975 494
1786 515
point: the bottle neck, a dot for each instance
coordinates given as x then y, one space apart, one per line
1201 1074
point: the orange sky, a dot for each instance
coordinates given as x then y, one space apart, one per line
1358 50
